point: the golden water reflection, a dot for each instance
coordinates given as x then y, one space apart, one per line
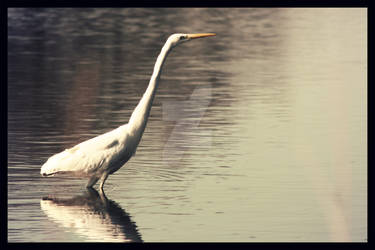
92 216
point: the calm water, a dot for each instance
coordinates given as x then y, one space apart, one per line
257 134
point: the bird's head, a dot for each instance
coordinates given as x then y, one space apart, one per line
176 39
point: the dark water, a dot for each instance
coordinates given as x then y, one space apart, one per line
257 134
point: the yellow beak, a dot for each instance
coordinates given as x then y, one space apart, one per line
199 35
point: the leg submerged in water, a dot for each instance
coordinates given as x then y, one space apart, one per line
92 181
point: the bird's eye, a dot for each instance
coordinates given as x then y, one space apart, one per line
182 37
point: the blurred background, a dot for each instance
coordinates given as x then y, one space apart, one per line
257 134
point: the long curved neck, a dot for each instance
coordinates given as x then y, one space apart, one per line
138 119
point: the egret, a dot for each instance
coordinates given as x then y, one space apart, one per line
103 155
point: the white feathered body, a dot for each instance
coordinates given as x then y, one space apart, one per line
104 153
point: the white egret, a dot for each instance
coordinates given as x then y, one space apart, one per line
103 155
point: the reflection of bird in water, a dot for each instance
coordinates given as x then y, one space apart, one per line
92 215
105 154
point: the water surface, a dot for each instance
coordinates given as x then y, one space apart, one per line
257 134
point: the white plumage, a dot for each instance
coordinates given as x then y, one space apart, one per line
103 155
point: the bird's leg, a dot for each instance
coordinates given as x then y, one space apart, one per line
92 181
103 197
102 180
92 193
